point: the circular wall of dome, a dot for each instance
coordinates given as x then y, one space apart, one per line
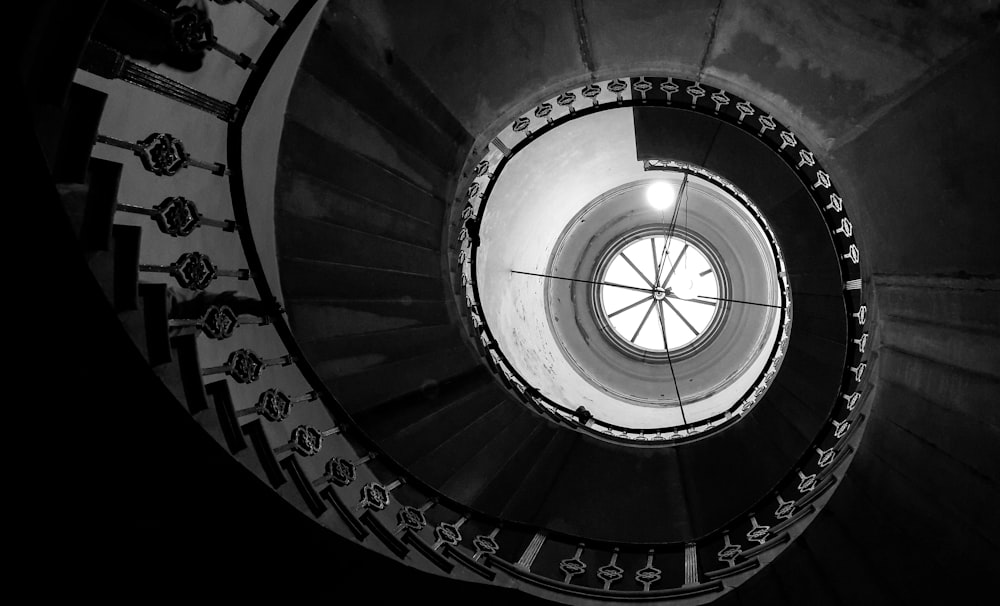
684 358
552 211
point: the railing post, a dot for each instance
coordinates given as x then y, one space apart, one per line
106 62
531 551
690 564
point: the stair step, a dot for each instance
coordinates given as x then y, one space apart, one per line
229 433
344 355
384 534
413 441
536 481
71 133
185 351
393 416
365 389
254 430
450 451
154 312
492 498
346 514
103 178
117 269
305 490
473 474
134 322
66 26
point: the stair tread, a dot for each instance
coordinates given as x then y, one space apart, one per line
370 387
68 149
409 443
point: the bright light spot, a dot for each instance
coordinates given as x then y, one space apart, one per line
660 194
682 284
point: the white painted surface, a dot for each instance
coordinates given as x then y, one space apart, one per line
539 192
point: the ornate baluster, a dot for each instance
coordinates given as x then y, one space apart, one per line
531 551
642 86
825 456
852 254
342 472
306 441
806 482
840 428
375 496
245 366
858 371
218 323
729 551
785 508
177 216
787 140
269 15
195 271
591 91
412 518
822 180
836 203
106 62
852 400
275 406
574 565
617 86
649 574
861 343
611 572
163 154
448 534
669 87
486 544
861 315
566 100
192 32
721 99
757 531
766 123
845 228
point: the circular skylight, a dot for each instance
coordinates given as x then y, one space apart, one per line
659 298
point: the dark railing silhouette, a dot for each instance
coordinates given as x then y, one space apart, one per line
499 546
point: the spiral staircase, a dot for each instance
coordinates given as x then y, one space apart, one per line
366 439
